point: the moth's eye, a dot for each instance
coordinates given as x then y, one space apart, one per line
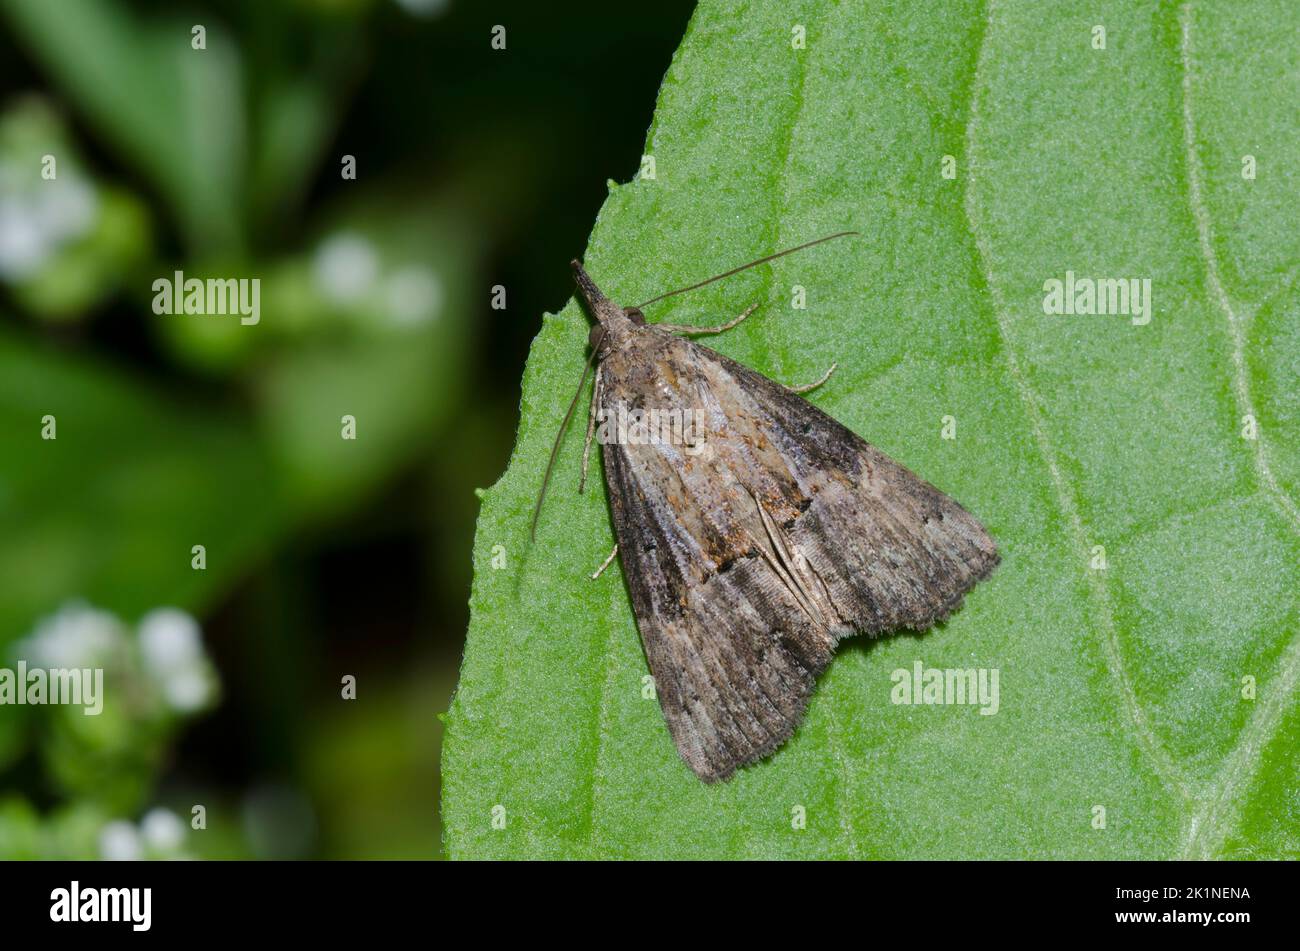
635 316
594 336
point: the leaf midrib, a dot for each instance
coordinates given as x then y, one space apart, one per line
1168 771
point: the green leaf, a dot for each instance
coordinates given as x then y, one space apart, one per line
109 509
1119 688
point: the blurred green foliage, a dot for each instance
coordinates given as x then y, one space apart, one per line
126 155
365 316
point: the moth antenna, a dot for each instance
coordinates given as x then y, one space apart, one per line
555 447
743 267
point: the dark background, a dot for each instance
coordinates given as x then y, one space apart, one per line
479 167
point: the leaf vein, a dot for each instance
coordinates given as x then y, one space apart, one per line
1208 827
1165 767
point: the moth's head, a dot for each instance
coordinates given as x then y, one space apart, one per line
614 323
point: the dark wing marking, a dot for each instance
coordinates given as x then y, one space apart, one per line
748 561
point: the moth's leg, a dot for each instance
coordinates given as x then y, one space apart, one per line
606 564
684 329
591 429
812 386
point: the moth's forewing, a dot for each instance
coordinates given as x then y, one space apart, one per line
748 558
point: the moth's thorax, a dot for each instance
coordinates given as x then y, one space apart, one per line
641 360
615 325
615 328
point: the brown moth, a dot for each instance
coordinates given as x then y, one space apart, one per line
750 551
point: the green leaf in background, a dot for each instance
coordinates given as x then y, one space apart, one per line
382 300
1122 687
109 510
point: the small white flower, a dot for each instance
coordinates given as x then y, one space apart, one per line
169 641
119 842
414 295
76 635
34 222
172 650
162 830
345 267
24 246
187 690
423 8
68 210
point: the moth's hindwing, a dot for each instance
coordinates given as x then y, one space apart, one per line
749 557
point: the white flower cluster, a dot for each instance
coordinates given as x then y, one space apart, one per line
172 651
36 221
160 835
347 270
76 635
167 649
